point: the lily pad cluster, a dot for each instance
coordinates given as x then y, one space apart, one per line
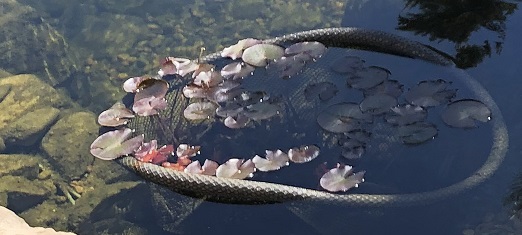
385 99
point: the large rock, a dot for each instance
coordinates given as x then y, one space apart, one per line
29 107
12 224
29 44
68 141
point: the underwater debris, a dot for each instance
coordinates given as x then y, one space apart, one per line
341 178
465 113
114 144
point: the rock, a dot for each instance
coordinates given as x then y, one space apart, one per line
67 143
4 73
20 187
30 128
12 224
29 107
31 45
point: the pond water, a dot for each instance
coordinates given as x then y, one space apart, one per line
115 42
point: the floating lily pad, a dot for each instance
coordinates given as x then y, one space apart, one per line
237 70
131 85
341 178
237 121
352 149
288 66
303 154
117 115
235 51
417 133
377 104
208 79
151 88
261 111
347 64
342 117
465 113
368 77
200 110
209 167
185 150
194 91
325 91
388 87
149 106
430 93
273 160
406 114
229 109
361 135
258 55
313 49
114 144
236 169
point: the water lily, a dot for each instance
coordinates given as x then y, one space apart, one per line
303 154
465 113
131 84
236 51
209 167
114 144
260 54
199 110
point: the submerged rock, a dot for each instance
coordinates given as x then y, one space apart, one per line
31 127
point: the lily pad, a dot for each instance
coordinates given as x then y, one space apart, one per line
200 111
341 178
417 133
273 160
114 144
342 117
325 91
117 115
313 49
406 114
368 77
465 113
389 87
258 55
347 64
236 169
430 93
303 154
377 104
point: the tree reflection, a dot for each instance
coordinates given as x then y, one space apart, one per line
456 21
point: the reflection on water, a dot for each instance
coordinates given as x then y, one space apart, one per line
84 51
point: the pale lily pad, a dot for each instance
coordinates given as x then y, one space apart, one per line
117 115
194 91
229 109
200 111
377 104
313 49
288 66
114 144
236 169
368 77
236 122
417 133
465 113
131 84
209 167
325 91
430 93
352 148
208 79
406 114
303 154
149 106
151 88
260 54
273 160
235 51
237 70
341 178
185 150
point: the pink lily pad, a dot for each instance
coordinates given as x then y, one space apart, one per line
114 144
131 84
236 169
341 178
117 115
185 150
149 106
303 154
236 122
273 160
209 167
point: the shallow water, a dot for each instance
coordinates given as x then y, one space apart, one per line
391 167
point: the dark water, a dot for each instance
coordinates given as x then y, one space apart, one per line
449 158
